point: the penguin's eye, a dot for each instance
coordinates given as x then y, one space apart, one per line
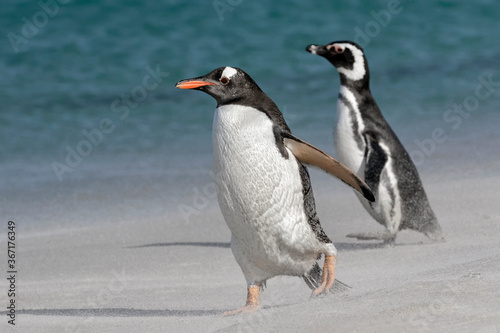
338 49
224 80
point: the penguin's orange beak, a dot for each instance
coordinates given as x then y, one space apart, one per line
188 84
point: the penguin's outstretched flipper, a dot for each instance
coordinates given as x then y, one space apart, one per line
310 155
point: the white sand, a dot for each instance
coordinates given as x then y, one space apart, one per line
171 275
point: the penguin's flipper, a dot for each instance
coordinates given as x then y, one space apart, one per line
308 154
375 161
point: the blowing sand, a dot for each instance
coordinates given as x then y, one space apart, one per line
169 274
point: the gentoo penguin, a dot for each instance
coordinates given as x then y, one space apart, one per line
366 144
263 187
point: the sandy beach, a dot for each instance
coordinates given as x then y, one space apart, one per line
170 274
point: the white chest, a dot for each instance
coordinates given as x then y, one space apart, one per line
259 191
255 181
347 132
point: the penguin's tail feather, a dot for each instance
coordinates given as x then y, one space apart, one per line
313 280
313 277
339 287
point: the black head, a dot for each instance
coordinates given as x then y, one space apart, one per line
225 84
348 57
230 85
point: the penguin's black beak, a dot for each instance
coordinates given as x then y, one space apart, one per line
194 83
317 49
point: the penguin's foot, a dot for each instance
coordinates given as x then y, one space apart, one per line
386 236
244 310
327 277
252 305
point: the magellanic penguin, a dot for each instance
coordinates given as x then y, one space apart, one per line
366 144
263 187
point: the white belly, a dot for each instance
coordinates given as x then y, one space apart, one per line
345 134
387 209
260 196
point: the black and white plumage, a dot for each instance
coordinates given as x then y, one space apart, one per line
263 188
366 144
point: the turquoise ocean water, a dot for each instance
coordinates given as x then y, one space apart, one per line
90 117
